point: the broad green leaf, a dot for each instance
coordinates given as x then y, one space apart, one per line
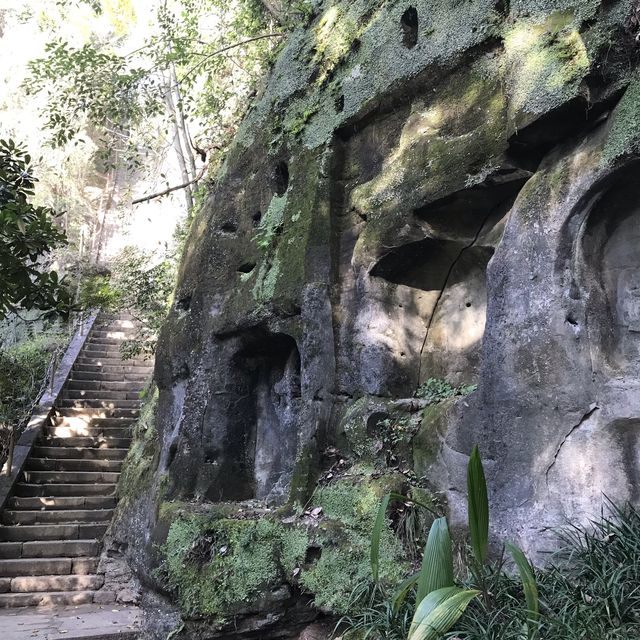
381 520
438 612
530 588
478 506
402 591
429 603
437 562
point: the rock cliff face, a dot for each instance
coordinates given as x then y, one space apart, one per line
426 190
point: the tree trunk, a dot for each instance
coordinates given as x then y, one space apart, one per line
178 144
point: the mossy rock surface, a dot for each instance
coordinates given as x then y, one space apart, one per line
222 559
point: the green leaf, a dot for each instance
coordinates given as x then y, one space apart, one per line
478 505
403 590
381 520
437 562
530 588
438 612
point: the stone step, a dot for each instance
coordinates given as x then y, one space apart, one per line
30 584
50 549
92 421
119 368
10 550
118 334
45 599
109 338
103 332
86 442
94 359
11 568
80 453
35 566
61 431
72 464
111 406
91 394
62 516
62 503
105 385
94 412
40 532
139 378
94 349
70 477
25 490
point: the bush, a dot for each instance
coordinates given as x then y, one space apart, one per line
24 373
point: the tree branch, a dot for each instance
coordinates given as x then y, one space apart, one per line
231 46
171 189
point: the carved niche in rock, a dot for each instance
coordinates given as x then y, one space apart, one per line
450 264
611 250
257 442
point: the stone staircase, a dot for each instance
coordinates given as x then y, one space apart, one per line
52 525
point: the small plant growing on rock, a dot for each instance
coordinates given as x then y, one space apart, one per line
436 390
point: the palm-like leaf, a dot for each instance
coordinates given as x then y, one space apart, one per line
438 612
478 507
530 588
437 562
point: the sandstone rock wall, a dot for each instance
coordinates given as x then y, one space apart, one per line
425 189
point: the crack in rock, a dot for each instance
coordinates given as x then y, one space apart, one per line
575 427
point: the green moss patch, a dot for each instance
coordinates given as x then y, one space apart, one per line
221 561
142 457
219 566
624 132
546 63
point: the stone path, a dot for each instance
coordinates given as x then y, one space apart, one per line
52 525
71 623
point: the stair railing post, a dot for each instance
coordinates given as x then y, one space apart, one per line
6 471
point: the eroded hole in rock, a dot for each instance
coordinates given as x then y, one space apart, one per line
459 215
339 104
246 267
373 422
229 227
256 217
281 178
530 144
181 372
426 264
184 303
173 450
262 412
312 555
409 25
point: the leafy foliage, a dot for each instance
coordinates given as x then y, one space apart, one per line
24 370
27 235
209 53
89 83
143 285
436 390
96 291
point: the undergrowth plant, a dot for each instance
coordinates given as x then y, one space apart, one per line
432 596
590 590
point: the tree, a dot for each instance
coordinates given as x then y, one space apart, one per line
27 234
185 88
